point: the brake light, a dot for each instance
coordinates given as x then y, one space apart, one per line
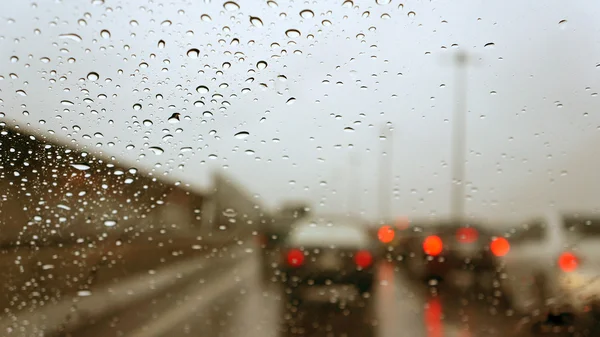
295 257
386 234
568 262
466 235
500 247
432 245
363 258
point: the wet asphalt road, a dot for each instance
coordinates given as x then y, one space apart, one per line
238 301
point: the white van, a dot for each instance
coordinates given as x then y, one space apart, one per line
552 270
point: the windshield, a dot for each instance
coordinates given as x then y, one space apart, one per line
298 168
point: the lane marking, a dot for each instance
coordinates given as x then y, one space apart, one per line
222 284
72 311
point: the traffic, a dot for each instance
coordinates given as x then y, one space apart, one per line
542 270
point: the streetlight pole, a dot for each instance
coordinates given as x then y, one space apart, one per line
459 121
385 172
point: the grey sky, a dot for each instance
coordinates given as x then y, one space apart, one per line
533 120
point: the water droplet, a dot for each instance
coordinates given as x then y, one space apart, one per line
226 65
242 134
326 23
261 65
157 150
134 23
97 2
21 92
14 59
282 78
82 22
81 166
382 2
489 45
231 6
161 44
166 23
385 16
207 114
66 102
147 122
93 76
272 4
307 14
110 223
411 14
562 23
198 104
290 101
202 89
174 118
255 21
137 107
348 4
366 14
348 129
71 36
84 293
205 18
292 33
105 34
193 53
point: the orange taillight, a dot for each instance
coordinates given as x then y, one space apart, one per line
386 234
500 247
568 262
432 245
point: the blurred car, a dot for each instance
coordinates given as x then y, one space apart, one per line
552 268
320 252
445 250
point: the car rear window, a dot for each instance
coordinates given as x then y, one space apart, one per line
582 225
330 236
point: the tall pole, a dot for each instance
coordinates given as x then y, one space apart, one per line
353 184
385 173
457 194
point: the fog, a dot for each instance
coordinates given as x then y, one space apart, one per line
532 97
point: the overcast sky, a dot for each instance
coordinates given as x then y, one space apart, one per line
324 96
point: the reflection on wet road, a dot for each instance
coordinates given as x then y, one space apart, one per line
239 302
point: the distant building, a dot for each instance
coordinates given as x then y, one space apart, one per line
52 193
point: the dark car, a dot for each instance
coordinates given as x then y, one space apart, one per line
320 252
450 251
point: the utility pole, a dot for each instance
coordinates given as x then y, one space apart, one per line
459 121
353 184
385 172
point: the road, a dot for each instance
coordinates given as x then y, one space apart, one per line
237 301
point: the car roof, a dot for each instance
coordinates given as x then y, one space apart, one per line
326 233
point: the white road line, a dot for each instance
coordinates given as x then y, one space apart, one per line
73 311
223 283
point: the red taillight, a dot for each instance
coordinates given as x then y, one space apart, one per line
432 245
363 258
295 257
467 235
568 262
500 247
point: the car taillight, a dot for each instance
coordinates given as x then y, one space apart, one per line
386 234
500 247
432 245
568 262
363 258
467 235
295 257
